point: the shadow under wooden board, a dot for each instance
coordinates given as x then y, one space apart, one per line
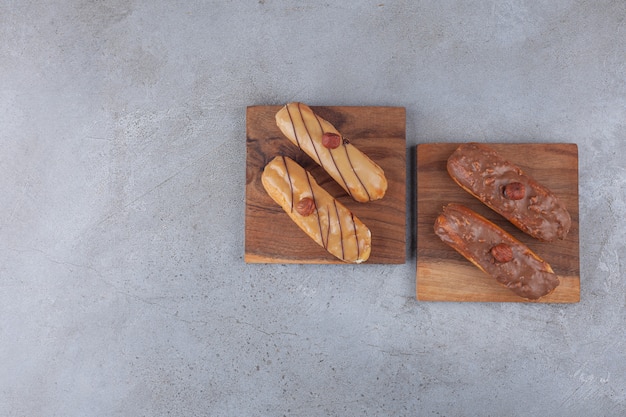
443 274
272 237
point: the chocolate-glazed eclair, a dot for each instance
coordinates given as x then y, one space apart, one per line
495 252
506 189
317 213
361 177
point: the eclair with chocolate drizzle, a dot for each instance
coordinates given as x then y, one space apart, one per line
361 177
324 219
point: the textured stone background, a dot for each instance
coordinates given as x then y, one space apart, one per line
123 290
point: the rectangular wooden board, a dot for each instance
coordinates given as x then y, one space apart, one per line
272 237
443 274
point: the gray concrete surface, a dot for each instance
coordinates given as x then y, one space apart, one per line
123 290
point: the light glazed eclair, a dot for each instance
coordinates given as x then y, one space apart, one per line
325 220
507 190
495 252
361 177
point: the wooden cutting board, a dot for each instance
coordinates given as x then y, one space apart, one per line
272 237
443 274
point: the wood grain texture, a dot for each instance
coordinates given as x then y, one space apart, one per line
272 237
443 274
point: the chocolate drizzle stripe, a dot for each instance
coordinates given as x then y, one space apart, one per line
310 138
356 236
328 224
317 212
357 175
293 125
340 228
332 157
290 183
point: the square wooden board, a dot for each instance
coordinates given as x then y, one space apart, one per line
445 275
272 237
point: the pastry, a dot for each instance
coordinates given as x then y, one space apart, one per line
317 213
361 177
495 252
506 189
